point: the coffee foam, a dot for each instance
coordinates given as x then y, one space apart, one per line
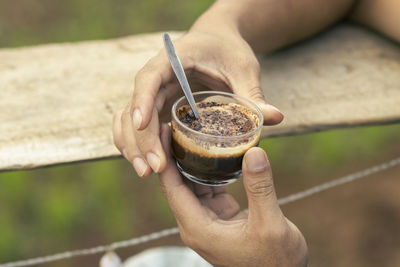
214 145
219 119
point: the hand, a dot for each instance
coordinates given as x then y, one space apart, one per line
211 222
219 60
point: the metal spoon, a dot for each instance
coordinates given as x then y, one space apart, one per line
180 73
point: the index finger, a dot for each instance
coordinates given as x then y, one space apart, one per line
148 81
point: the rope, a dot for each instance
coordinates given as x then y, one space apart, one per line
94 250
172 231
338 181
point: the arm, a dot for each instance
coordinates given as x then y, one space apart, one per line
269 24
380 15
218 54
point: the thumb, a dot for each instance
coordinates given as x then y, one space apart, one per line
272 115
259 186
249 86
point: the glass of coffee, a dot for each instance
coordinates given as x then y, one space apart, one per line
210 150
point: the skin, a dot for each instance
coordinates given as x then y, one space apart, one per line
211 222
217 53
380 15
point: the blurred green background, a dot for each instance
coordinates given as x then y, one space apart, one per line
80 205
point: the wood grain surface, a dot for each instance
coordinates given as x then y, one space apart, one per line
57 100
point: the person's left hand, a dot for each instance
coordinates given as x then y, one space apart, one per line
218 60
211 222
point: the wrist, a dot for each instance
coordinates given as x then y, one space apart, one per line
227 18
221 18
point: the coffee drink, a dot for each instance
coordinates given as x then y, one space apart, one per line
209 150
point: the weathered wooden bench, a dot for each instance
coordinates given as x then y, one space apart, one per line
57 100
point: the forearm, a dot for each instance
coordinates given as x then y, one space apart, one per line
381 15
270 24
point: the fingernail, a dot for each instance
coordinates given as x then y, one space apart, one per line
137 118
154 161
255 160
140 166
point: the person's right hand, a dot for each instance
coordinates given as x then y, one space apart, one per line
211 222
213 60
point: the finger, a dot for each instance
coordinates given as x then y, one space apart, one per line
160 99
184 204
219 189
249 86
156 73
130 149
272 115
165 100
148 81
117 133
189 184
207 191
217 200
203 190
259 186
223 205
149 144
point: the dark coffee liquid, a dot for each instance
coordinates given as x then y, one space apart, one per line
206 168
216 119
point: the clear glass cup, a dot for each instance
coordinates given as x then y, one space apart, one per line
210 159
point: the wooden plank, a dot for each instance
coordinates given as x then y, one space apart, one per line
58 100
342 78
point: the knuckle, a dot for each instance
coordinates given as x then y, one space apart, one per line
261 189
256 93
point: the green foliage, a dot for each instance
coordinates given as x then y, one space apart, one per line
34 22
78 205
64 205
59 207
323 152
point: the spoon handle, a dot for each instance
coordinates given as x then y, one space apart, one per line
179 72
